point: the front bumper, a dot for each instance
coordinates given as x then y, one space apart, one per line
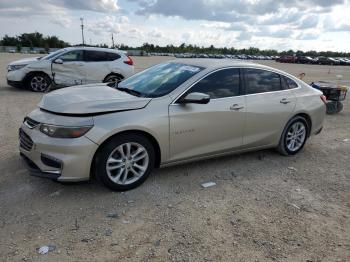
36 171
17 84
56 158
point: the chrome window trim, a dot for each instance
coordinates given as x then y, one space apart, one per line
236 67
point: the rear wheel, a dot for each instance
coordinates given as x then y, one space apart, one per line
294 136
38 82
113 78
125 162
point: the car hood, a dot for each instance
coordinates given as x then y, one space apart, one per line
24 61
90 99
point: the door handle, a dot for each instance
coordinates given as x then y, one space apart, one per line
285 101
236 107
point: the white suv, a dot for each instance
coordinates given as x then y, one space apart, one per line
70 66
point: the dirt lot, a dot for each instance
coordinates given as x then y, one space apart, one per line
264 207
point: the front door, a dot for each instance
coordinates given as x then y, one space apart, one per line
202 129
72 69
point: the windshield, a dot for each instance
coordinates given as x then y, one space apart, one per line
49 56
159 80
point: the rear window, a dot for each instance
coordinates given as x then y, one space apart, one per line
288 83
112 56
261 81
99 56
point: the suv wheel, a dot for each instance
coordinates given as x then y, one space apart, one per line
113 78
39 82
125 162
294 136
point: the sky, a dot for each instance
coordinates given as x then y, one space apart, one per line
267 24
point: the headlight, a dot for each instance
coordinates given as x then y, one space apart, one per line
63 131
14 67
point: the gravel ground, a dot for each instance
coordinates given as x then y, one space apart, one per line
264 207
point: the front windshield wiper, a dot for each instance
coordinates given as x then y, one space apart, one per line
129 91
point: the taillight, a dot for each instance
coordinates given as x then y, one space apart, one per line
324 99
129 61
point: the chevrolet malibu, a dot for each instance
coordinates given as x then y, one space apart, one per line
171 113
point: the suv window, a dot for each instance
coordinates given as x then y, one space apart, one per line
260 81
99 56
95 56
112 56
288 83
76 55
223 83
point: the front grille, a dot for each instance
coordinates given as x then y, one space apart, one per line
30 122
25 141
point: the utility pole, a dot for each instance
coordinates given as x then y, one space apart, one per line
112 42
82 29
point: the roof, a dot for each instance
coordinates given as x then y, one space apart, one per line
94 49
212 64
217 63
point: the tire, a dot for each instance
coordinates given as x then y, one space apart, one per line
112 78
116 171
334 107
38 82
286 141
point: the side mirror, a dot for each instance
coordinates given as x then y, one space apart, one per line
195 98
58 61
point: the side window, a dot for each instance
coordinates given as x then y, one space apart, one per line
76 55
223 83
112 56
95 56
260 81
289 83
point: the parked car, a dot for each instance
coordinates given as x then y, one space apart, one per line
306 60
343 61
70 66
173 112
322 60
287 59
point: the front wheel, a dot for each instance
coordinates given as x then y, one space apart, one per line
294 136
39 82
125 162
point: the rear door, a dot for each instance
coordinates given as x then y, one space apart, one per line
72 71
98 65
202 129
269 106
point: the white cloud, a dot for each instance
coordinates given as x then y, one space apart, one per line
310 21
215 25
134 33
156 33
107 25
308 36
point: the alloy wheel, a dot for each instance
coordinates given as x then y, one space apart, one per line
296 136
39 84
127 163
113 79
